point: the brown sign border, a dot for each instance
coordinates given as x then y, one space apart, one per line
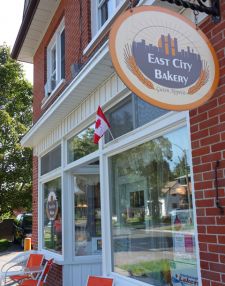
137 91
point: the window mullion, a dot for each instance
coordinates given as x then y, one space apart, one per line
100 3
58 61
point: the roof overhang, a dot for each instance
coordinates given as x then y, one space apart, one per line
96 71
37 17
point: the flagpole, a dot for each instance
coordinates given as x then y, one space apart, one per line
111 134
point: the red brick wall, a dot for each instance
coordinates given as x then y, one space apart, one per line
70 9
208 145
35 204
55 276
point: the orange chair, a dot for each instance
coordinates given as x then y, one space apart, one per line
42 278
99 281
34 263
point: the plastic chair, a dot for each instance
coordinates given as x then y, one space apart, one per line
99 281
33 263
42 278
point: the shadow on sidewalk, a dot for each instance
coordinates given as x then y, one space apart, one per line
12 248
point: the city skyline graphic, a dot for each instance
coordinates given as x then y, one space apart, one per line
164 56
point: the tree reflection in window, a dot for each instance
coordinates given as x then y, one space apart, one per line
149 161
151 208
81 145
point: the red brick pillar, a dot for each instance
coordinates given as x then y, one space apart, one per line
208 145
35 204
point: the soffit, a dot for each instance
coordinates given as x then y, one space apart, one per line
39 24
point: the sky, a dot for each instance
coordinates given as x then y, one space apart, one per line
10 19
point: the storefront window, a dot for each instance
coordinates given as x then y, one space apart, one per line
145 112
153 237
87 213
130 113
81 144
121 119
51 160
53 215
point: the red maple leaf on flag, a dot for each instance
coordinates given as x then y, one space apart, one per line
101 125
98 123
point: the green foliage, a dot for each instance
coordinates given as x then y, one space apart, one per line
151 161
4 244
15 119
6 215
82 144
181 167
147 268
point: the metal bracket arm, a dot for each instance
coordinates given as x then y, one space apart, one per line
213 10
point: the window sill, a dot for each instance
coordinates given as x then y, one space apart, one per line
46 99
58 258
77 260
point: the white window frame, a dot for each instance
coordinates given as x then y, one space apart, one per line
48 252
112 4
54 43
54 174
159 126
96 29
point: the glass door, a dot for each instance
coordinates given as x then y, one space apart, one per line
87 211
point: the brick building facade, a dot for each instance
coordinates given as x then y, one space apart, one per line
207 137
69 109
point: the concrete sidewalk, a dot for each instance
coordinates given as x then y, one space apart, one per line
8 254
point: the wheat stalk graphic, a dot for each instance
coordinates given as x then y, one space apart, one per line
203 78
132 66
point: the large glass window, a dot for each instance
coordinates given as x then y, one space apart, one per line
62 45
51 160
153 237
87 214
55 60
53 215
81 144
53 67
131 113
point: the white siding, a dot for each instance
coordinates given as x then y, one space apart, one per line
76 275
86 111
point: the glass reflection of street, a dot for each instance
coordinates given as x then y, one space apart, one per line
87 212
152 218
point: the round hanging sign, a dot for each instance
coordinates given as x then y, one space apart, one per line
52 206
163 58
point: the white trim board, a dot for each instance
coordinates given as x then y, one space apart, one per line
72 96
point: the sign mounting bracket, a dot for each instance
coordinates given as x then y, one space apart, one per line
213 9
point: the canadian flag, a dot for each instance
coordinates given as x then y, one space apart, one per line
101 125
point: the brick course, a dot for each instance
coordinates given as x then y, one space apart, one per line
208 145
